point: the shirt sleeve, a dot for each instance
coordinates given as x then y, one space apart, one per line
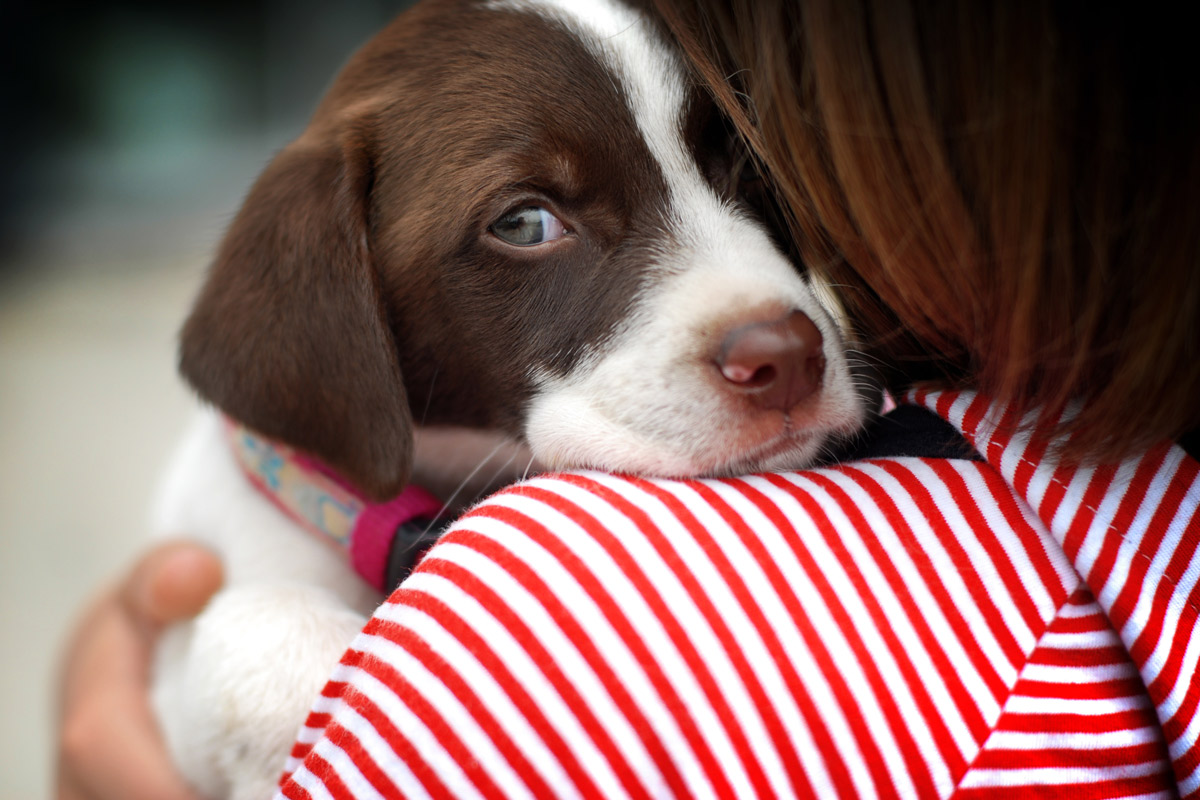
1132 532
852 631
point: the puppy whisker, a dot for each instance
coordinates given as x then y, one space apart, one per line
491 484
429 396
462 485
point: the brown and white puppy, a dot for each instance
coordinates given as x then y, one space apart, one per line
515 216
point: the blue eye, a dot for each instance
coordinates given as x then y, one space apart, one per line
529 226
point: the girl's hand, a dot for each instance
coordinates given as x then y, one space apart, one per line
109 745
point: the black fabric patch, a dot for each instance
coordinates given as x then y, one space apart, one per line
1190 442
910 431
916 431
409 543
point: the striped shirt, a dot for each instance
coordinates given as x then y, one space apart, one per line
916 627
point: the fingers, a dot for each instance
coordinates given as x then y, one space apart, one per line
109 743
170 583
111 749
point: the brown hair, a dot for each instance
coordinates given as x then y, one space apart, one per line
1005 189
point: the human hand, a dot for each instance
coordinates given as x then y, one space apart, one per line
109 745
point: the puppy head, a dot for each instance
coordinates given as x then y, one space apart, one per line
512 215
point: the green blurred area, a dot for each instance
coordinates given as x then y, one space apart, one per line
132 127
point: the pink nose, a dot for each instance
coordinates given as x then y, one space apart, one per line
778 364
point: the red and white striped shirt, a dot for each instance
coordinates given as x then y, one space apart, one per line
917 627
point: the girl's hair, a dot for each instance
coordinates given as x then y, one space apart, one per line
1006 191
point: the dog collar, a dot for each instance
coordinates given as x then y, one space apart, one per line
384 540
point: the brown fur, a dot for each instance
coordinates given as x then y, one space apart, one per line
358 289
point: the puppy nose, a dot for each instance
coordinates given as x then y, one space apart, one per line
777 363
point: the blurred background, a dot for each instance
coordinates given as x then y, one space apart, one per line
130 132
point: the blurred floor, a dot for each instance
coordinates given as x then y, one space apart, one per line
89 409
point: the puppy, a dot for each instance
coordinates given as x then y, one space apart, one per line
513 216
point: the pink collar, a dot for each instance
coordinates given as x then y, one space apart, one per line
383 540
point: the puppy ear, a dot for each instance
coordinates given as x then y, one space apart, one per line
290 336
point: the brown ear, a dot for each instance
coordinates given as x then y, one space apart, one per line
289 335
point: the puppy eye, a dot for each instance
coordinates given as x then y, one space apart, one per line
529 226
